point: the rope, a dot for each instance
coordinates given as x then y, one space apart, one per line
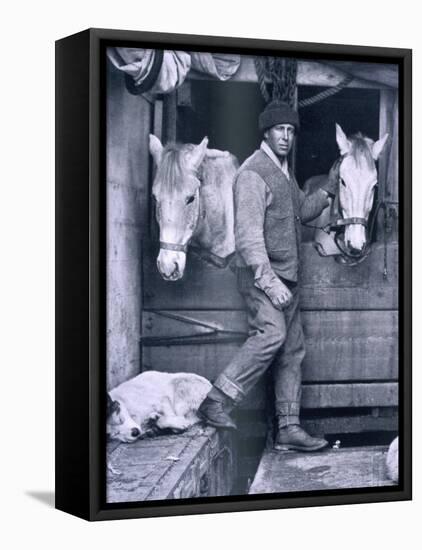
277 78
326 93
214 335
260 71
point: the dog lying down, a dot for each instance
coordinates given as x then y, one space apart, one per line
154 401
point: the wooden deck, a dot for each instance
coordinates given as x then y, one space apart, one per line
284 472
196 463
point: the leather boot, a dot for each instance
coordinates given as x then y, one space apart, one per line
214 410
293 437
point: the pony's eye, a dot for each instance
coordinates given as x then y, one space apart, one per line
190 199
342 182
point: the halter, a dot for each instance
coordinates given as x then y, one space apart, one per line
336 219
175 247
205 255
184 247
337 222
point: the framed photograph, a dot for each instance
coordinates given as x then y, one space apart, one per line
233 274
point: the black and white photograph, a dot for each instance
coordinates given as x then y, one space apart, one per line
210 277
252 274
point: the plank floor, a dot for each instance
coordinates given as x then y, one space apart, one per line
281 472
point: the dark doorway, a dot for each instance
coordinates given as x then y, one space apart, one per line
227 112
355 109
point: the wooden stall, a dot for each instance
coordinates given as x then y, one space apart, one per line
350 314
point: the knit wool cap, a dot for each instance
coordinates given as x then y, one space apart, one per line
278 112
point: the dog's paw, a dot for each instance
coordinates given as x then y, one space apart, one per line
152 431
181 426
154 416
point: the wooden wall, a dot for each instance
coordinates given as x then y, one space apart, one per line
128 126
350 320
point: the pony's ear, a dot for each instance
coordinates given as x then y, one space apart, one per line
198 153
110 402
112 406
378 146
342 141
216 153
155 148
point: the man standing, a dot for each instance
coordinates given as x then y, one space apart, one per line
269 209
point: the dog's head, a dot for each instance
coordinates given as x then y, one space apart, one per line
120 425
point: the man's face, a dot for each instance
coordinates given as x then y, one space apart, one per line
280 138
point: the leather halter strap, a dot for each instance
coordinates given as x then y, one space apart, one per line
175 247
337 220
350 221
182 247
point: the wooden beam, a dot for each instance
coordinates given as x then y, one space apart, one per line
350 424
350 395
335 424
310 73
158 119
387 166
169 117
333 396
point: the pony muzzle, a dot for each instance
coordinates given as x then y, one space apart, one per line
355 238
171 264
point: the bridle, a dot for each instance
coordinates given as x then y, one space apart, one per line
184 247
337 222
175 247
205 255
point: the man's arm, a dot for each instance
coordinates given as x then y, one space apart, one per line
250 202
312 205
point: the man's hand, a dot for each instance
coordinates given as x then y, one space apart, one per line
279 294
330 186
267 281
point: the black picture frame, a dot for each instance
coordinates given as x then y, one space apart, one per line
80 274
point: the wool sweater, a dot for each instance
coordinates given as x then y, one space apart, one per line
269 209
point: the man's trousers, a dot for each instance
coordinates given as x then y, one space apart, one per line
275 339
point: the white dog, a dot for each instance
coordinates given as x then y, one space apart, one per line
154 400
392 460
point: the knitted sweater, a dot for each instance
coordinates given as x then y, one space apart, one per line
269 209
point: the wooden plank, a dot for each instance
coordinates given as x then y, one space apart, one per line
376 72
329 469
325 284
341 345
388 164
335 424
169 117
127 173
158 118
317 396
386 121
350 424
310 73
333 396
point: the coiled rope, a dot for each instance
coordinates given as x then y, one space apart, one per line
277 79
